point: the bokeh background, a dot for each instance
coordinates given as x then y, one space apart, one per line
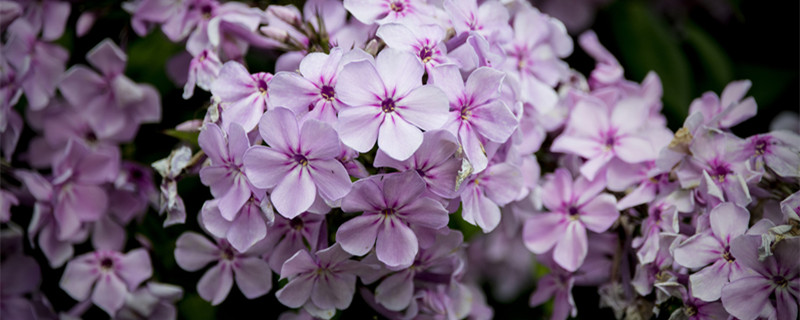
694 45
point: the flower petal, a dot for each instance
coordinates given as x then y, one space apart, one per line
357 236
216 283
295 193
571 250
398 138
252 277
109 293
397 245
193 251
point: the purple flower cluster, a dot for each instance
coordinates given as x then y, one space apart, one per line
396 153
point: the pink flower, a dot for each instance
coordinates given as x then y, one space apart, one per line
728 221
300 162
574 207
111 274
389 104
244 96
193 252
322 282
394 212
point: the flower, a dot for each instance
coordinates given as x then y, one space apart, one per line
244 96
322 282
728 221
193 252
388 104
111 274
574 207
394 212
750 296
300 162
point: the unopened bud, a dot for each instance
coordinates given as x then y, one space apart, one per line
372 47
275 33
289 14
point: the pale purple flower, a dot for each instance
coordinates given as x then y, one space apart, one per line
115 106
252 275
7 200
227 27
287 236
484 193
709 252
225 176
777 150
394 213
433 161
311 94
778 278
534 57
49 17
424 41
133 191
556 285
435 265
244 96
107 275
600 134
245 228
322 282
21 276
574 207
661 217
477 114
153 301
39 65
716 167
490 19
389 104
608 71
300 162
384 11
728 110
203 70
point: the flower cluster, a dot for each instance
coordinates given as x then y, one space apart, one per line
403 151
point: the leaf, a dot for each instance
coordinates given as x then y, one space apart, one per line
645 44
716 63
190 137
195 308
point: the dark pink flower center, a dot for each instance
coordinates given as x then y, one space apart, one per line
387 105
719 171
425 54
727 255
573 212
397 6
387 212
106 263
262 86
780 281
327 93
465 113
761 145
296 223
690 310
228 253
300 159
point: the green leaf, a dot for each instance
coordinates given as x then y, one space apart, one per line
646 43
716 63
190 137
195 308
147 60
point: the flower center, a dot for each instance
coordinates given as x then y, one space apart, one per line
727 255
387 212
780 281
426 54
761 146
719 171
206 11
262 86
609 143
327 93
227 253
300 159
397 6
573 213
465 113
296 223
690 310
106 264
387 105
